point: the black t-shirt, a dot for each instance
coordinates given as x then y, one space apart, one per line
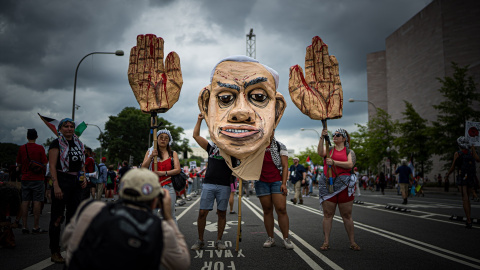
218 172
75 156
123 171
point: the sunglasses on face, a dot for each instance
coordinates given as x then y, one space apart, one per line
337 135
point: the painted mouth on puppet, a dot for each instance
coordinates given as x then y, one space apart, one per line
239 132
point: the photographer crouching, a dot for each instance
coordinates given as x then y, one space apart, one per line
126 234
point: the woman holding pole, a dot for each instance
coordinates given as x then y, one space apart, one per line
337 185
161 154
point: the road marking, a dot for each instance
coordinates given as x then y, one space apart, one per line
43 264
305 257
415 243
188 208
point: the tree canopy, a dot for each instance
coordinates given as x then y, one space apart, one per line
128 134
413 138
461 97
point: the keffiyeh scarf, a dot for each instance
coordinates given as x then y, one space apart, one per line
64 149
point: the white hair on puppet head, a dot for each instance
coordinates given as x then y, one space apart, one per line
463 142
166 131
243 58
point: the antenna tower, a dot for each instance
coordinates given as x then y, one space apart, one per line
251 44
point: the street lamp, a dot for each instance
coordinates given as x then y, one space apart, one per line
302 129
117 53
100 134
355 100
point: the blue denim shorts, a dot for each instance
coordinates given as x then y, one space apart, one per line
210 193
264 188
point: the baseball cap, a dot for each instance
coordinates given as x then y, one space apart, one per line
140 185
104 159
295 158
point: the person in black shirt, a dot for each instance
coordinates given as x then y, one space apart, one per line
66 159
216 186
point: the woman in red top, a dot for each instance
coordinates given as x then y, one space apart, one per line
164 155
341 162
271 189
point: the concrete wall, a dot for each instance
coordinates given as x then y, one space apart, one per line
377 81
419 52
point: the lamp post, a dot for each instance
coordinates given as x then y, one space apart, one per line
100 134
303 129
356 100
117 53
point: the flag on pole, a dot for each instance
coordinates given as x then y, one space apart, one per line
309 161
52 124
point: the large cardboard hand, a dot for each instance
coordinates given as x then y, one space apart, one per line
319 94
155 85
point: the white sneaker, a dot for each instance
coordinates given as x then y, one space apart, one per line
219 245
198 245
269 243
288 244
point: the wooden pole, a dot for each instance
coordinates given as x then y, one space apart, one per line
327 150
154 125
239 226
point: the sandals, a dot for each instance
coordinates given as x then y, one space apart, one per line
325 247
355 247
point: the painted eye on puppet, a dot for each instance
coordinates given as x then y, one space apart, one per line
225 99
258 98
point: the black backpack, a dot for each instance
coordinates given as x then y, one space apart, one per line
466 164
120 237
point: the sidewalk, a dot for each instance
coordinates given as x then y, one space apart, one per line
453 191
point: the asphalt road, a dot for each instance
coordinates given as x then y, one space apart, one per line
422 236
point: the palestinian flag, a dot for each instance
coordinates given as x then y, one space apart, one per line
52 124
309 161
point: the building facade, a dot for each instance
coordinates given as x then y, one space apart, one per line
420 52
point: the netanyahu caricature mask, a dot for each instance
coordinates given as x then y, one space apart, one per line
241 106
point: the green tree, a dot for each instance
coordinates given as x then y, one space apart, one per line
128 134
374 139
47 142
358 141
8 154
311 152
413 139
460 96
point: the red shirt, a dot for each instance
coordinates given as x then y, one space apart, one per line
270 172
165 165
337 156
35 152
89 165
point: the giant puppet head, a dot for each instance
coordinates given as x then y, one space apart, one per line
241 105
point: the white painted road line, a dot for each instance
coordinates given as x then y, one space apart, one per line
297 250
403 239
188 208
322 257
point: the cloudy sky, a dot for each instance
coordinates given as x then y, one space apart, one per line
41 43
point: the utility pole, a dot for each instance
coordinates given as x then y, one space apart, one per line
251 44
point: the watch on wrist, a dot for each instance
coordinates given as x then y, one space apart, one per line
166 173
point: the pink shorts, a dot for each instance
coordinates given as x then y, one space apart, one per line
342 197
